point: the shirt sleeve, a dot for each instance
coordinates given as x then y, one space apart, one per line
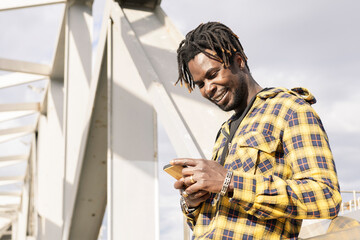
191 217
312 191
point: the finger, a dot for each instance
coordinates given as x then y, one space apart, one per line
203 198
183 161
189 179
197 201
188 171
184 194
179 184
193 188
197 195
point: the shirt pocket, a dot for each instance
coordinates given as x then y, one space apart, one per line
253 152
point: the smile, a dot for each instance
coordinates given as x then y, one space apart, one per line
220 96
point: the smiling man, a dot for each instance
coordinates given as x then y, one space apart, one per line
271 166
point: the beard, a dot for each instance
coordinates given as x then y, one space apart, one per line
238 100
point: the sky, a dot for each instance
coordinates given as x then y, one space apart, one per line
299 43
312 44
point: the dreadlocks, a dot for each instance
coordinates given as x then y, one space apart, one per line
214 36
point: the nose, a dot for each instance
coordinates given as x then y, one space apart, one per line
209 89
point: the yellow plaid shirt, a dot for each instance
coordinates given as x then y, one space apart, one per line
283 172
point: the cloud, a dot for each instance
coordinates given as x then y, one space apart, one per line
30 34
305 43
171 218
313 44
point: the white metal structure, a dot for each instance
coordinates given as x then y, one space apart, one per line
93 144
96 144
351 205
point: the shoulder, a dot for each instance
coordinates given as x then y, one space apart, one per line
284 104
285 99
299 96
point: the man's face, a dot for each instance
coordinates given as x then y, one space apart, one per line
227 88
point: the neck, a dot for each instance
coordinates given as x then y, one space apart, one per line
253 92
253 89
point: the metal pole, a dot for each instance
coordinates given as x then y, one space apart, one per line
186 230
354 194
109 154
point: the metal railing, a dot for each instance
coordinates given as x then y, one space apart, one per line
351 205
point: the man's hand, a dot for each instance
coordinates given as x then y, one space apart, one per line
195 199
200 178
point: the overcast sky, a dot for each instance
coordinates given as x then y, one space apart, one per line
313 44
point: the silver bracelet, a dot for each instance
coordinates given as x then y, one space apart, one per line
185 207
226 183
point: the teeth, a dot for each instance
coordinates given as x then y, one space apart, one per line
220 97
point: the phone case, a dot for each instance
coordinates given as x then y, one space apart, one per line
174 170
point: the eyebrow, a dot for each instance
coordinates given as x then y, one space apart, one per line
208 72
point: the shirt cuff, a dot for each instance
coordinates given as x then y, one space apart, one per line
244 189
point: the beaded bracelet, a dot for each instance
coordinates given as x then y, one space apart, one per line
226 183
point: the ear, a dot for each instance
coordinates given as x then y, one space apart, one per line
239 60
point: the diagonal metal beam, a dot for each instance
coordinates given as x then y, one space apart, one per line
178 112
162 102
9 209
24 67
17 4
15 130
14 79
4 164
14 157
10 216
58 63
92 152
11 178
8 182
11 194
77 81
29 106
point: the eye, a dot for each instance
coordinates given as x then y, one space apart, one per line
213 74
200 85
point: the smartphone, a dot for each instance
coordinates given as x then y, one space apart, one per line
174 170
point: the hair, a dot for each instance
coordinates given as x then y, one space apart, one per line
214 36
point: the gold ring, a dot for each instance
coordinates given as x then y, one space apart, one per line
192 179
185 195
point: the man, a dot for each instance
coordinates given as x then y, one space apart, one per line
271 165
